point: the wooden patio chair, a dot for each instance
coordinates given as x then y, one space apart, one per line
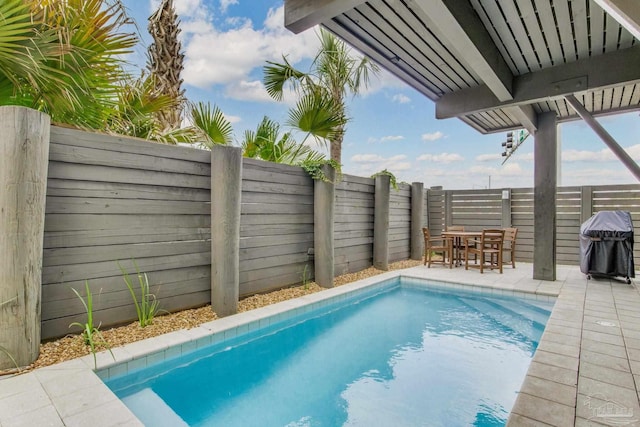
488 249
509 245
437 245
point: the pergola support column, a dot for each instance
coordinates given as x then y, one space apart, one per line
544 198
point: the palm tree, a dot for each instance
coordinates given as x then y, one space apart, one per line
321 109
209 125
63 57
135 112
267 144
166 62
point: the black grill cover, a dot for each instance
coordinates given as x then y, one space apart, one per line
606 244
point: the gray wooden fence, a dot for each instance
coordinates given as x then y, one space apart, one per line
478 209
120 199
124 199
399 223
276 226
353 229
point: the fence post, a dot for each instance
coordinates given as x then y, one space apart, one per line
24 162
381 222
417 212
586 203
448 208
226 190
506 207
323 219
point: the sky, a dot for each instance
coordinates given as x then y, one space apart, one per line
227 42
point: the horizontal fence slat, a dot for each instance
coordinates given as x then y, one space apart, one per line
147 161
110 190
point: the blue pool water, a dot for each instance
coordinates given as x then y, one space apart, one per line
406 356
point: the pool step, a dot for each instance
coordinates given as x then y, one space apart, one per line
159 414
519 323
526 309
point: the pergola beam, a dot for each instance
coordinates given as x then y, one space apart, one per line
384 59
300 15
527 117
597 72
606 137
626 12
457 22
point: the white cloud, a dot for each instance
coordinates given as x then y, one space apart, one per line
234 56
368 164
441 158
392 138
584 156
526 157
508 169
383 80
224 4
604 155
374 158
401 98
248 91
229 57
432 136
597 176
233 119
488 157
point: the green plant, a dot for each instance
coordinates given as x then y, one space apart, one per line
91 334
334 74
305 277
314 169
148 306
3 349
392 178
268 144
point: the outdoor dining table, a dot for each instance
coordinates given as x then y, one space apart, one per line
458 237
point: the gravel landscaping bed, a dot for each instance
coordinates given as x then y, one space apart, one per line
73 346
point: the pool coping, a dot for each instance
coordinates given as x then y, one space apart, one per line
72 393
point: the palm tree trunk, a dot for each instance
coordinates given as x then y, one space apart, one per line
335 146
166 62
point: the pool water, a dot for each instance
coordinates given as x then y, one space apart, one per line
406 356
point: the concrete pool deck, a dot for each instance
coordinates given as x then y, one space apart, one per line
586 370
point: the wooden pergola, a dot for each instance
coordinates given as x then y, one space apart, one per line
503 65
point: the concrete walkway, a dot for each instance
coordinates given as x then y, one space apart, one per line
586 371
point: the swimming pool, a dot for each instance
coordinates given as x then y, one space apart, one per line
402 353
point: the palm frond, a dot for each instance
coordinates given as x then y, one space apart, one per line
277 75
63 57
212 124
317 115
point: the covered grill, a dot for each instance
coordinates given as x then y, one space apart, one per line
606 245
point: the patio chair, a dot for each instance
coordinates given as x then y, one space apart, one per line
488 249
510 245
437 245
